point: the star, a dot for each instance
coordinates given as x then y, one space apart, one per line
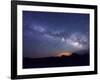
63 39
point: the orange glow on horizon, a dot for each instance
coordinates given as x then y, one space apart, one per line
64 54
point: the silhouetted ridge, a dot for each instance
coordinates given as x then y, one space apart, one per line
73 60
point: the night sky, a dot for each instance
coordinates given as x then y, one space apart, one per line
47 33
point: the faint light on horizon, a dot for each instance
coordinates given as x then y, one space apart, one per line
64 54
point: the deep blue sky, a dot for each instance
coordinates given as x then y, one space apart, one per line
46 33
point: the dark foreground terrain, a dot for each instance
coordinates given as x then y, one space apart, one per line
73 60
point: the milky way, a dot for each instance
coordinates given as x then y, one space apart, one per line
46 33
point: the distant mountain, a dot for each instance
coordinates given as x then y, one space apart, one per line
74 60
82 52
